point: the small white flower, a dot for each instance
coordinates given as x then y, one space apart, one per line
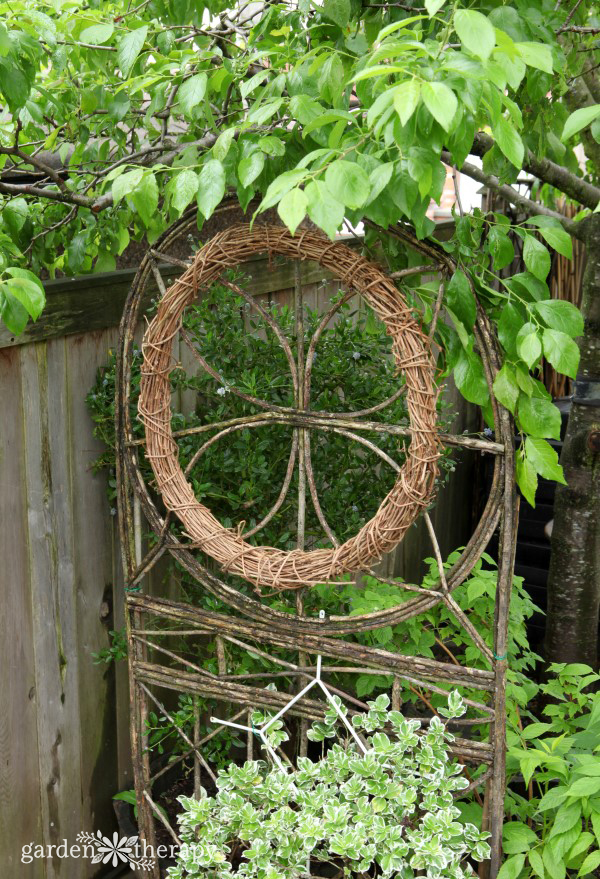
356 355
221 391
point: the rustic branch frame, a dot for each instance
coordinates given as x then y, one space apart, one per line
311 637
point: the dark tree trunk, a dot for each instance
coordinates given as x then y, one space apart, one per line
574 579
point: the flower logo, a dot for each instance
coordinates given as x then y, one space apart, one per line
123 850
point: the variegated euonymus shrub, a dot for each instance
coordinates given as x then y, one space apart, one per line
388 812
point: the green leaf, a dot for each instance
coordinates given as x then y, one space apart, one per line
348 183
537 258
261 113
441 103
460 299
506 389
529 346
31 290
379 179
305 109
191 92
129 48
97 34
537 864
509 141
292 209
15 87
280 186
145 197
406 98
250 168
323 209
476 32
561 315
561 351
211 186
223 143
183 189
527 481
591 863
125 183
337 11
567 816
580 119
511 867
536 55
539 417
555 869
554 234
554 798
12 313
27 293
508 327
517 837
584 787
433 6
470 378
501 247
545 460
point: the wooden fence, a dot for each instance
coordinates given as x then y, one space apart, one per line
64 747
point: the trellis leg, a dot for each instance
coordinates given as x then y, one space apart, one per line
130 542
506 557
140 654
301 531
196 738
249 736
137 699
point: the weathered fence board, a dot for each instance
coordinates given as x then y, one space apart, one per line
20 819
64 745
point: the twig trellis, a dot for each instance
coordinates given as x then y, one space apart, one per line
152 620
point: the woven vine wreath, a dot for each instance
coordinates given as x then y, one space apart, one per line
266 566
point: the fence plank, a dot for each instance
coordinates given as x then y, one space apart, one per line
51 584
93 593
20 820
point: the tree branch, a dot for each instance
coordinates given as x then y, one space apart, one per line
530 207
579 190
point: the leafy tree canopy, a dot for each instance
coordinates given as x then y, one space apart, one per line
117 117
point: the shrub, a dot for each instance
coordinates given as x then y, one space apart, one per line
389 810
